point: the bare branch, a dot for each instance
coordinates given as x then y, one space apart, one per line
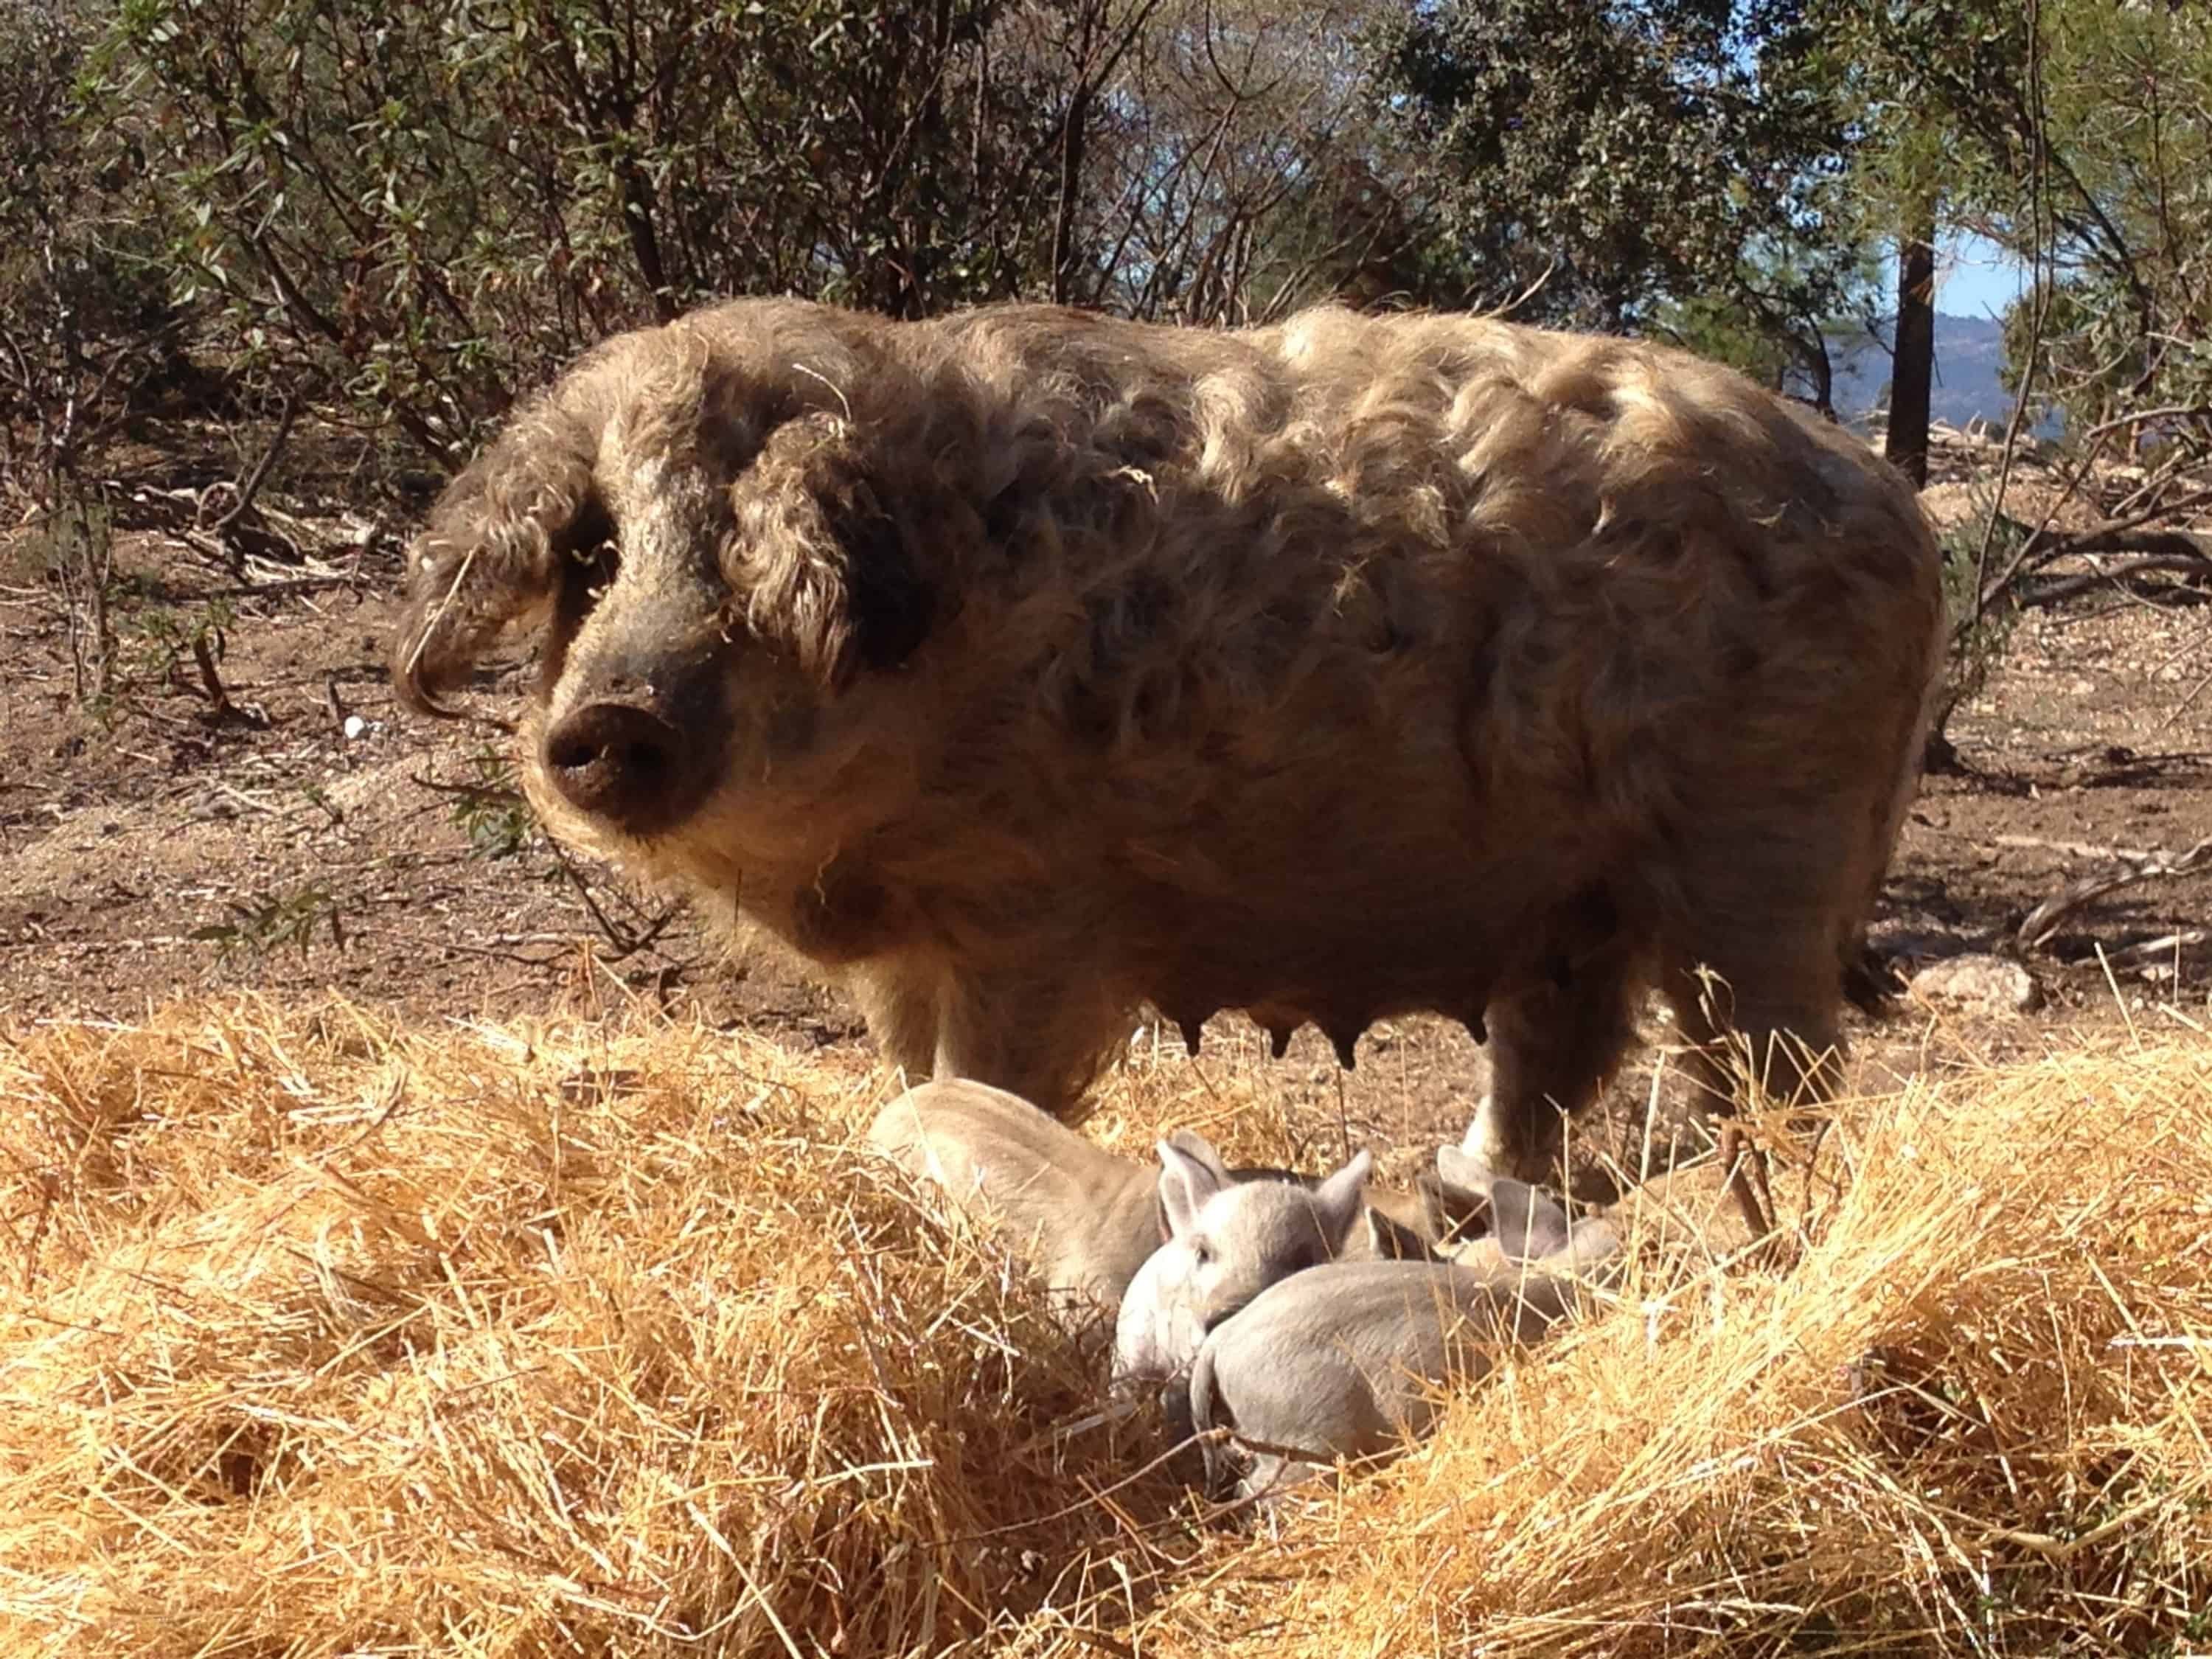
2039 316
2138 418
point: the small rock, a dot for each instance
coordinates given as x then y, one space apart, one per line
1979 984
355 726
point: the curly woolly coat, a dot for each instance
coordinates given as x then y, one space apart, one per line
1028 665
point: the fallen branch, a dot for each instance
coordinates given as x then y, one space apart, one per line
276 589
2121 536
2157 950
2043 920
2135 532
2065 587
2077 849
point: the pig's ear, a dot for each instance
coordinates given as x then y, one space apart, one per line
1393 1241
1190 1174
1453 1214
1466 1191
1197 1145
1527 1224
496 548
831 556
1339 1200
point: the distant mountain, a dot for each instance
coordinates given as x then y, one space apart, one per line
1969 351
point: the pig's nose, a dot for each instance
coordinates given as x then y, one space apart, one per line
623 764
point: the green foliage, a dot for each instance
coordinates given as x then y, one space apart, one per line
427 209
86 325
1940 95
268 922
1980 635
411 213
2128 316
492 811
2095 166
1231 164
159 640
1798 361
1678 151
1716 330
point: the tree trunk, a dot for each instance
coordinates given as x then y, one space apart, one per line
644 241
1071 139
1819 367
1913 372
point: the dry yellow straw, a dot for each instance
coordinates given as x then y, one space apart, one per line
323 1336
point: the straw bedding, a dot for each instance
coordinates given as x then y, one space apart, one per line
327 1336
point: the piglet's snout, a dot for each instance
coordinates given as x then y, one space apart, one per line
625 765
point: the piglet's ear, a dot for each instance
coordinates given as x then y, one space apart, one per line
492 553
1528 1224
1452 1214
1465 1178
1391 1240
1339 1200
1190 1174
831 552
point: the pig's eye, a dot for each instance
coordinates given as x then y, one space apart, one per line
592 559
594 567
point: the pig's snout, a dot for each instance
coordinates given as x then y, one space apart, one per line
624 765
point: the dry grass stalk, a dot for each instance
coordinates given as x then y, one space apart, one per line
327 1336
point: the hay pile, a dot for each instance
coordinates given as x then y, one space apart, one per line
323 1336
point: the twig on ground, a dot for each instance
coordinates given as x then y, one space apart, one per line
2079 850
271 589
478 793
246 800
211 681
2182 707
627 941
2043 920
258 475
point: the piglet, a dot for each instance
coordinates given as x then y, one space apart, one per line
1347 1360
1086 1220
1222 1250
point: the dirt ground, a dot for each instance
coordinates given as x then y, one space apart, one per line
317 839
